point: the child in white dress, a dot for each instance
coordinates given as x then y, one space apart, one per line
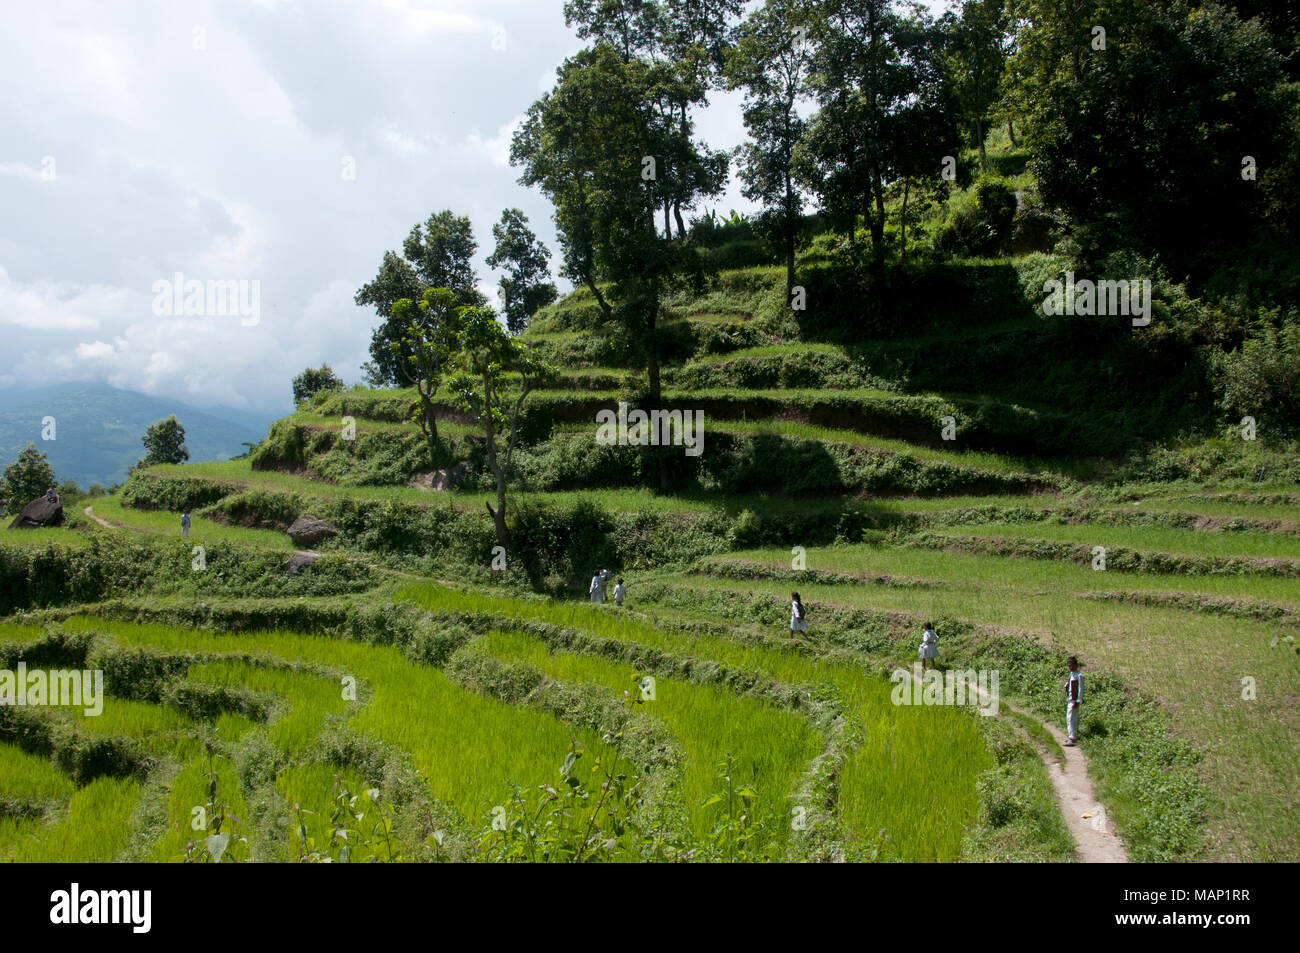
929 646
620 592
798 617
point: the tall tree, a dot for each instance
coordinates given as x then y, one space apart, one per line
314 380
437 253
26 479
524 287
979 41
874 70
422 354
770 61
164 442
494 376
1143 143
594 145
687 40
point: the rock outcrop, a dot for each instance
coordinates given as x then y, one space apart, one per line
308 531
299 561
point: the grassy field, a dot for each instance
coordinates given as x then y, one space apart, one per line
202 531
1193 663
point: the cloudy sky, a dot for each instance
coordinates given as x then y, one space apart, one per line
269 141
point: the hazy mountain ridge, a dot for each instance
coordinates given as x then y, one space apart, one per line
98 428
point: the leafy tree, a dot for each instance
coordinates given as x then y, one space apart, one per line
485 360
26 479
922 135
1262 379
770 61
314 380
979 41
436 254
876 77
585 144
523 287
164 442
422 354
1142 143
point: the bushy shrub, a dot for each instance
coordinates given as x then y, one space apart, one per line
1262 378
982 228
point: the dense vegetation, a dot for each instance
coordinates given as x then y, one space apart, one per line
894 424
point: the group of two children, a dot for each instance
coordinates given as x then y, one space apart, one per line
599 584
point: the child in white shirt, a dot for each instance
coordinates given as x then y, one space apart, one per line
929 650
798 617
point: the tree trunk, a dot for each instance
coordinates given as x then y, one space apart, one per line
791 233
489 428
979 134
677 214
499 517
429 419
789 263
600 298
877 223
902 223
668 228
1011 132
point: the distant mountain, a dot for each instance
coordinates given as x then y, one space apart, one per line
98 429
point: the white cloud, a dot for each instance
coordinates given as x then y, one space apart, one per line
95 350
227 162
496 149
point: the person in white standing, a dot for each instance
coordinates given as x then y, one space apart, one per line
1073 699
929 650
798 616
597 588
620 592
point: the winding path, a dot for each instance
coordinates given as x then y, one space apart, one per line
1094 837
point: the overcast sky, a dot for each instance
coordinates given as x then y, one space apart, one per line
267 141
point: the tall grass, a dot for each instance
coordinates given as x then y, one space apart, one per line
29 777
97 827
202 530
770 747
188 790
303 699
865 698
468 748
1151 538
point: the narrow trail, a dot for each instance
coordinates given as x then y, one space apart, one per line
89 511
1095 839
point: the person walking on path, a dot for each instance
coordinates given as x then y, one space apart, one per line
929 650
597 587
620 592
185 524
798 615
1073 699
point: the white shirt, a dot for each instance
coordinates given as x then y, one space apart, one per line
1075 676
619 592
